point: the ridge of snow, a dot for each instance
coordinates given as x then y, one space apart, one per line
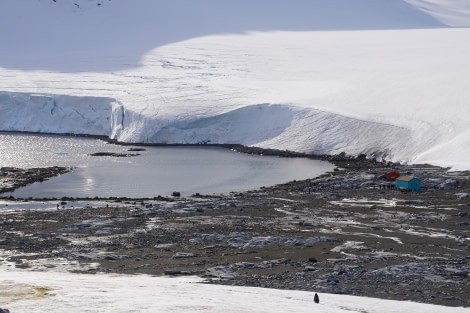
454 13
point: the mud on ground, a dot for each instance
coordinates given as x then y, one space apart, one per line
345 232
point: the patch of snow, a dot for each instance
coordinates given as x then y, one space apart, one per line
66 292
349 245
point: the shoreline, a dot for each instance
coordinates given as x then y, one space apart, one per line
338 233
20 177
342 157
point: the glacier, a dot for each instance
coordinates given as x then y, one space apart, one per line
389 79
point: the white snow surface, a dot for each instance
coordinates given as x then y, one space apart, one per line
450 12
66 292
388 78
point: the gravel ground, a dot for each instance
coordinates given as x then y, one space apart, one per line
346 232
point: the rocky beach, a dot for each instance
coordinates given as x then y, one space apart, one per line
346 232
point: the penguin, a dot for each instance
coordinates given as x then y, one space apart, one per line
316 298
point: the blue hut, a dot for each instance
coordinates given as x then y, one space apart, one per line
408 183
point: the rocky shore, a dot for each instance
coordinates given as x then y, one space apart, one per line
13 178
345 232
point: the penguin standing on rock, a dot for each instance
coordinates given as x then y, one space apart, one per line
316 298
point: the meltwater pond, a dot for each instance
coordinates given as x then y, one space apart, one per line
155 171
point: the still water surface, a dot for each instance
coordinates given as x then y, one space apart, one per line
156 171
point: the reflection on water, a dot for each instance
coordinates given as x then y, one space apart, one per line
156 171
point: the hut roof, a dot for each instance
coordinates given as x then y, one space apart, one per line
405 178
393 175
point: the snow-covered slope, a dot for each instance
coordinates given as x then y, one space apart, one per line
383 77
450 12
30 291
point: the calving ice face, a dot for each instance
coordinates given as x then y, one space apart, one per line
335 84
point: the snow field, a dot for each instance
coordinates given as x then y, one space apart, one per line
388 79
66 292
355 92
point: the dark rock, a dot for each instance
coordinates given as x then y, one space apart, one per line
112 257
114 154
83 225
461 273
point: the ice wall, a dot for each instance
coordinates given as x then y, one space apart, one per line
263 125
48 113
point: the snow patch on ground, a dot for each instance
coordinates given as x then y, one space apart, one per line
26 291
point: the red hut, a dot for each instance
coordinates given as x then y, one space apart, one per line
393 175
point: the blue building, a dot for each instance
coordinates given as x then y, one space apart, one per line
408 183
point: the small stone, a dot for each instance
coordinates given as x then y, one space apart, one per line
165 246
182 255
